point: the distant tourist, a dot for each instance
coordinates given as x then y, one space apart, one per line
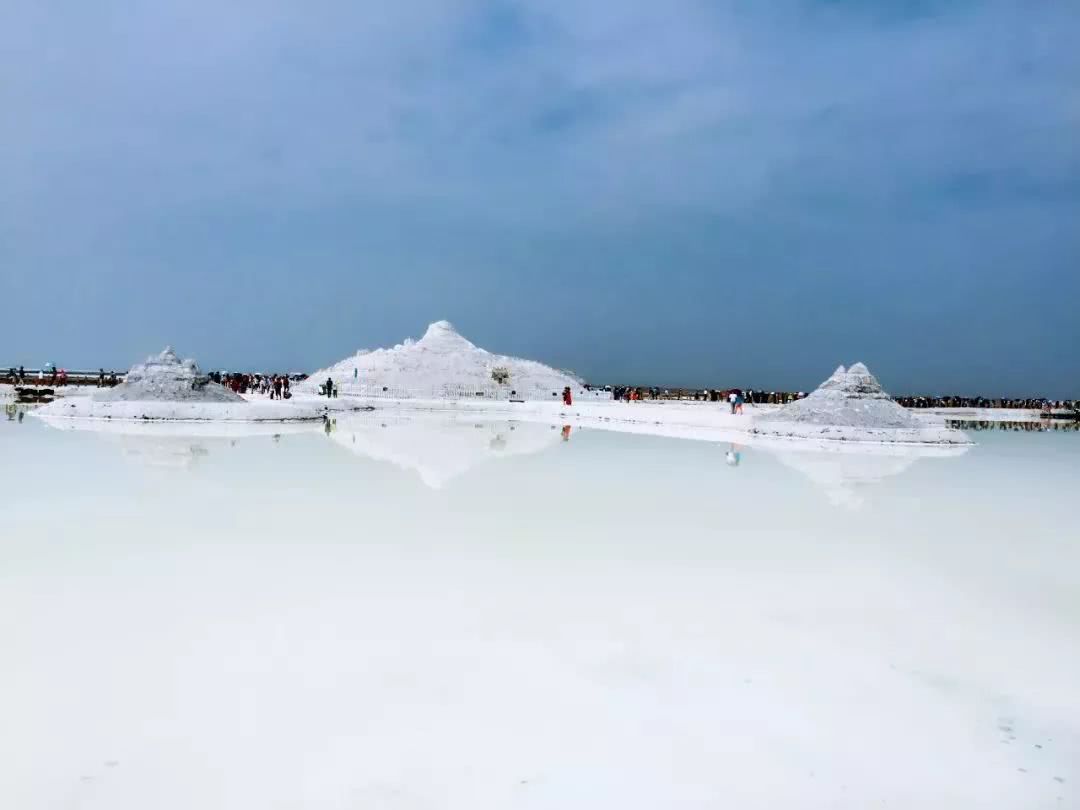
567 397
731 401
329 387
739 402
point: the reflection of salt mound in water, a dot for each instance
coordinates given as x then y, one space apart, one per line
438 448
173 452
845 470
165 377
852 406
177 445
443 364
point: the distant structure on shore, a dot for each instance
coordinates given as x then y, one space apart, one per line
444 365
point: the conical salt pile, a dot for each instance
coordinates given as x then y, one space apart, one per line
167 378
852 406
852 398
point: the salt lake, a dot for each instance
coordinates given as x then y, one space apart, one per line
429 612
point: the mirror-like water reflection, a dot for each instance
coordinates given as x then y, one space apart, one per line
422 612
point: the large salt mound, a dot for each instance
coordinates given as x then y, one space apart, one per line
167 378
444 365
852 406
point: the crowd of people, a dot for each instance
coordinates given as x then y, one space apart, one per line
275 386
731 395
626 393
1041 426
1030 403
53 377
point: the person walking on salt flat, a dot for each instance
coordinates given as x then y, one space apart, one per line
731 401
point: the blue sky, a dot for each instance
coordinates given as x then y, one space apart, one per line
687 192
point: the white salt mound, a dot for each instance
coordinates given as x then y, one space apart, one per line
445 365
167 378
852 406
168 389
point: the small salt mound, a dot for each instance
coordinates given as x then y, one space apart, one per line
852 406
167 378
850 397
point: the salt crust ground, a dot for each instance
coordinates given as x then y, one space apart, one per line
930 416
681 420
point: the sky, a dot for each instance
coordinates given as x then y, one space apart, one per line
693 192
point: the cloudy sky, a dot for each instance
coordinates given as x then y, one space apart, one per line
686 192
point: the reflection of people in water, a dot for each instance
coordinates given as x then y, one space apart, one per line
566 433
733 455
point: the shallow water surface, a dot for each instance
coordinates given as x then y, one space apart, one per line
408 612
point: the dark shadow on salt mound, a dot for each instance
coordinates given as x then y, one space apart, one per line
852 406
167 378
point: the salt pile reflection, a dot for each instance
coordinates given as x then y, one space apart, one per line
173 444
438 448
844 471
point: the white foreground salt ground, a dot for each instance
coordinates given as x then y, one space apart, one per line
852 406
445 365
609 621
166 388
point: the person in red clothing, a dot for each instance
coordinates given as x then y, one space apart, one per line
567 397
